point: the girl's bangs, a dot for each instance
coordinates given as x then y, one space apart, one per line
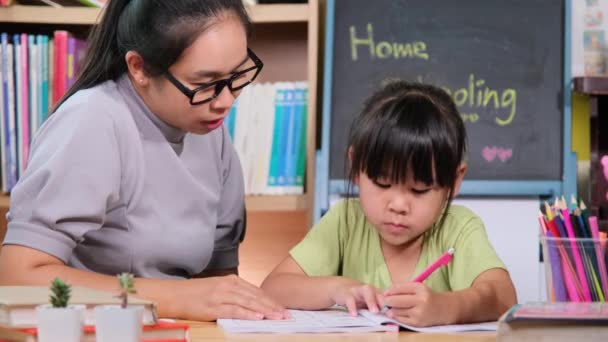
400 141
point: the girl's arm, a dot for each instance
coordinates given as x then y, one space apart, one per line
196 299
491 294
292 288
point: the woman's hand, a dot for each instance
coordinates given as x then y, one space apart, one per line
226 297
354 295
416 304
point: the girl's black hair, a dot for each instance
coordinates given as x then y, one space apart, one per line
408 127
159 30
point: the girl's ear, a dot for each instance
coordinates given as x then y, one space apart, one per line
460 172
135 64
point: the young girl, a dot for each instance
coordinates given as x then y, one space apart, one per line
406 153
134 171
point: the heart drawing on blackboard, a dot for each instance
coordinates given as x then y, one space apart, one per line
489 153
504 154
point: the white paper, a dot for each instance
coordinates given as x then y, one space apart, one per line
337 321
381 319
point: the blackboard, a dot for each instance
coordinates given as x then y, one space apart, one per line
507 54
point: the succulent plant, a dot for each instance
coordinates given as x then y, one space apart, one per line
60 293
127 285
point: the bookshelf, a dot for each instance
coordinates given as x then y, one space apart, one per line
286 38
275 13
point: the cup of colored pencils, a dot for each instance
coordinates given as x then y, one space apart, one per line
574 252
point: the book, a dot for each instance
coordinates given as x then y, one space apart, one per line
164 331
338 320
18 304
596 312
562 321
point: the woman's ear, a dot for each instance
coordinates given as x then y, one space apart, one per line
460 172
135 64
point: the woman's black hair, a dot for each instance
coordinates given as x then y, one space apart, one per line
408 127
159 30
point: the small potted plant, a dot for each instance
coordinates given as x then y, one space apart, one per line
119 323
59 321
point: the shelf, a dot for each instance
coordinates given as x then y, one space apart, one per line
76 15
254 203
591 85
279 13
276 203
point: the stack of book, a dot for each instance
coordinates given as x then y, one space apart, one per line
555 322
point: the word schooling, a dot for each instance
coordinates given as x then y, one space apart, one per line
385 49
477 95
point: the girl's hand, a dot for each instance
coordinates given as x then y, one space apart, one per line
354 295
211 298
416 304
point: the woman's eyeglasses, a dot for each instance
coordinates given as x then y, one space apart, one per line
208 91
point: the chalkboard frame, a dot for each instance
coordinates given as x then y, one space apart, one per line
326 187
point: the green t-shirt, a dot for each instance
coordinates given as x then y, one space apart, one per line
344 243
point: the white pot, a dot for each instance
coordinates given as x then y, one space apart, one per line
115 324
60 324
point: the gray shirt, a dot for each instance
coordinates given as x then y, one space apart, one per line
111 188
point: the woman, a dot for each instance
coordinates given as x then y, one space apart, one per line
134 171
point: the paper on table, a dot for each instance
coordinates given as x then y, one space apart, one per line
381 319
337 321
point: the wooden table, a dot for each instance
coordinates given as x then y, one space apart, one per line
201 331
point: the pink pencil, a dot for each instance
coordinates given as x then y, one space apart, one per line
577 256
598 252
441 261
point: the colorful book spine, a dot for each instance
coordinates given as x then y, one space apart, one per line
277 140
25 109
71 62
289 173
302 135
4 152
9 117
60 65
33 85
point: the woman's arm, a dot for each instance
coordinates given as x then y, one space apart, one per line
291 287
196 299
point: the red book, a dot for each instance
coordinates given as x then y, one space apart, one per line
60 63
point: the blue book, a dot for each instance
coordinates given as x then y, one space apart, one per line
277 138
44 99
231 119
283 148
302 113
291 141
